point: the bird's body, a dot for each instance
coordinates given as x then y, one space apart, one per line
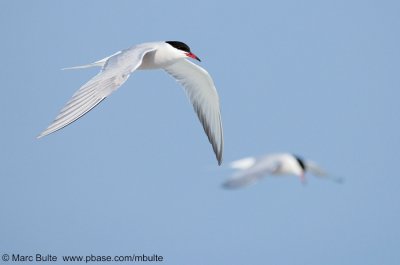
162 56
251 169
170 56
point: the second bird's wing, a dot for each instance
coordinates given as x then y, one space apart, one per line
250 175
114 73
243 163
314 169
203 95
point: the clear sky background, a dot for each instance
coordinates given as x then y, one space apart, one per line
137 174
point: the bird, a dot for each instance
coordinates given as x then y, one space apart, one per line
170 56
252 169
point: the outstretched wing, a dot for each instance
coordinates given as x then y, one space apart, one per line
114 73
252 174
201 91
243 163
314 168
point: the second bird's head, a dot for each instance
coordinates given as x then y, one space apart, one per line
300 168
184 48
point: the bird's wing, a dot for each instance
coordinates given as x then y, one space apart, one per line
201 91
250 175
115 72
314 168
243 163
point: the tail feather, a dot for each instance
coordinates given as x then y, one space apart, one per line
81 66
99 63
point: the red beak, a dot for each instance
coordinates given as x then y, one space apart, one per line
303 178
192 55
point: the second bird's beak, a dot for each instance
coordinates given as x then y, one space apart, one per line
192 55
303 178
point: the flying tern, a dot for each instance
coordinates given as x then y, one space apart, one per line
252 169
170 56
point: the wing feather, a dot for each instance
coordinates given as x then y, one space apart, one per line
251 174
201 91
314 168
115 72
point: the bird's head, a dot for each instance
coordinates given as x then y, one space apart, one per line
300 170
184 49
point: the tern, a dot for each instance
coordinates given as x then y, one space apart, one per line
171 56
251 169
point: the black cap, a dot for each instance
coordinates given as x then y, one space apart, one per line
179 45
301 162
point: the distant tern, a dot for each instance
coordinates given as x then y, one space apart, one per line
170 56
252 169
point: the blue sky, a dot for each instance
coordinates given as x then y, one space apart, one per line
137 174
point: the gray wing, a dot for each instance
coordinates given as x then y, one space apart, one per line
314 168
203 95
249 176
114 73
